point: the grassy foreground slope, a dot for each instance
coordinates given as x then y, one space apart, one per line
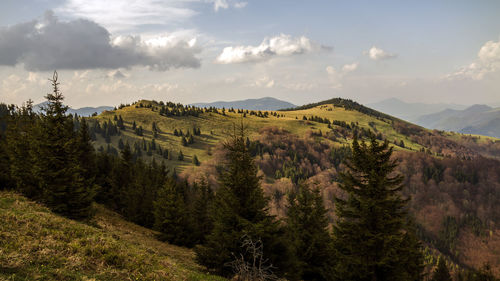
36 244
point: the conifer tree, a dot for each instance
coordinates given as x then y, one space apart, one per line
371 237
307 231
201 212
240 208
196 161
441 273
57 167
171 215
180 156
20 141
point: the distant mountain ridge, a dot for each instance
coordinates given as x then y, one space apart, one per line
411 111
83 111
266 103
477 119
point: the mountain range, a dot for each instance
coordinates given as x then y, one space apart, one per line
83 111
476 119
266 103
411 111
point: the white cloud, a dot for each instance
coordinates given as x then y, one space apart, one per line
240 5
350 67
220 4
282 45
119 15
488 61
50 44
264 82
336 77
378 54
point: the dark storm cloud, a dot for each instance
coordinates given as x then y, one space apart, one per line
49 44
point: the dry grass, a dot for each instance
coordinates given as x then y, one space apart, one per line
35 244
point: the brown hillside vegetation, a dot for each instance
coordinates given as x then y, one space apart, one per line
36 244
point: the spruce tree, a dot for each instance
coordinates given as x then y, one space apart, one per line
171 215
371 237
20 144
441 273
307 231
201 212
196 162
57 167
240 208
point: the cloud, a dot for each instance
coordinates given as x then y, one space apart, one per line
240 5
220 4
49 44
226 4
350 67
116 74
488 61
336 77
378 54
119 15
282 45
264 82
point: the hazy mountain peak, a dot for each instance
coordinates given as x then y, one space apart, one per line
265 103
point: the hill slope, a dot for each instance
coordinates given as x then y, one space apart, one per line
37 244
267 103
452 178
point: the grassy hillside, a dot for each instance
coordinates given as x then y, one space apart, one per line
451 177
36 244
216 127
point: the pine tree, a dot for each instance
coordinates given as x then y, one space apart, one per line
307 231
20 143
441 273
84 191
180 156
370 238
201 212
196 161
240 208
57 167
171 215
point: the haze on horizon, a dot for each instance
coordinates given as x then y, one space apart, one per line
115 51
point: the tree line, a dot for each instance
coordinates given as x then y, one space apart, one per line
373 237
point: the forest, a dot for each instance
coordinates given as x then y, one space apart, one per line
351 212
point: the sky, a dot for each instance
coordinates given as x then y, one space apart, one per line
115 51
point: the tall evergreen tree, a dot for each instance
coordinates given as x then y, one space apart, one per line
307 231
57 168
441 273
372 240
240 208
20 141
171 215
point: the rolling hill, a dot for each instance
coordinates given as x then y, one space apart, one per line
267 103
452 178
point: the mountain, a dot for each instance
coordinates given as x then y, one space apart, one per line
267 103
83 111
451 178
411 111
477 119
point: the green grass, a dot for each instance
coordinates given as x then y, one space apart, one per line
215 128
36 244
